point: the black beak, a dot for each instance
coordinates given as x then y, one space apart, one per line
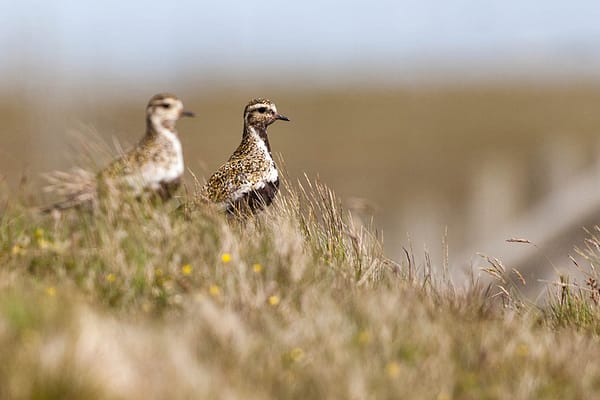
281 117
187 114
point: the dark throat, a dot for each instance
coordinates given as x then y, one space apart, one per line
261 129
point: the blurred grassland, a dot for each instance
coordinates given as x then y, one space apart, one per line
139 302
392 147
422 137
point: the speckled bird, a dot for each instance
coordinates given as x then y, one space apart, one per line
154 166
156 163
248 181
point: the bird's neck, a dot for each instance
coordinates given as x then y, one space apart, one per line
156 127
256 134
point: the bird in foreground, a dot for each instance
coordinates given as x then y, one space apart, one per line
248 181
154 166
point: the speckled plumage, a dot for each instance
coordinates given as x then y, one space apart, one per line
249 180
155 165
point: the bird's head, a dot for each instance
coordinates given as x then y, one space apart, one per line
164 110
262 113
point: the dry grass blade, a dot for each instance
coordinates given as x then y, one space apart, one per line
518 240
77 187
519 276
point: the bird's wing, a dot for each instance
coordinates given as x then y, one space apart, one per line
125 173
229 182
143 168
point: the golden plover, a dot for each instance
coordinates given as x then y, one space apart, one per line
249 180
155 165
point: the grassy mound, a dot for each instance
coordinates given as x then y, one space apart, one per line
138 301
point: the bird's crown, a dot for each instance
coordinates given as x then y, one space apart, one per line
163 101
258 104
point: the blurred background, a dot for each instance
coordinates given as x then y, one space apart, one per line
475 121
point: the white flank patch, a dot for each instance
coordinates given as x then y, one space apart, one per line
152 174
242 190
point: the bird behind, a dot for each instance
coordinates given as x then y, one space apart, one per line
154 166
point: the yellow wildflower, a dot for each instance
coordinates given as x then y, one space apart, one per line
39 233
296 354
17 250
392 369
43 243
273 300
214 290
364 337
186 269
51 291
522 350
226 257
257 268
110 278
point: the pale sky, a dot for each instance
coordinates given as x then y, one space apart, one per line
128 38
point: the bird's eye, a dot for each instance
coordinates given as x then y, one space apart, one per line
262 110
166 105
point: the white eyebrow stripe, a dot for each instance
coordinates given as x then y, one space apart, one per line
261 105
